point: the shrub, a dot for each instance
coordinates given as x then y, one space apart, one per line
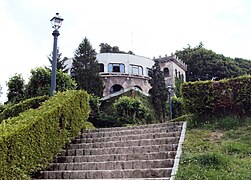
132 110
177 107
12 111
210 99
29 141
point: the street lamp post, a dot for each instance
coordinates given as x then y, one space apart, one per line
169 91
56 23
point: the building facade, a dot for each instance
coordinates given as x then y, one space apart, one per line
121 71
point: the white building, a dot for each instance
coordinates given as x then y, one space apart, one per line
121 71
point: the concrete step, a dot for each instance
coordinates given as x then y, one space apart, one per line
106 174
114 165
137 142
128 137
120 150
130 132
116 157
169 124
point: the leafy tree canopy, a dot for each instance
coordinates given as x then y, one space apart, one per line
40 80
85 69
15 86
204 64
106 48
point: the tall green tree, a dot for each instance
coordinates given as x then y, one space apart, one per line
16 90
158 92
40 81
85 69
61 63
204 64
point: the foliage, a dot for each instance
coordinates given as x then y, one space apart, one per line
177 107
209 99
29 141
204 64
103 114
132 110
186 117
85 69
158 91
40 80
61 63
106 48
15 86
177 87
16 109
216 154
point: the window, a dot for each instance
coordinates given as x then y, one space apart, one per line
116 88
115 67
101 67
166 72
176 73
179 76
182 77
135 69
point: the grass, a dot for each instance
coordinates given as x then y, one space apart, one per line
217 151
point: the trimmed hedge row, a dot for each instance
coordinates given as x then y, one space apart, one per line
208 99
29 141
14 110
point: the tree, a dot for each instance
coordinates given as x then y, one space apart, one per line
15 86
40 80
106 48
158 91
204 64
61 63
85 69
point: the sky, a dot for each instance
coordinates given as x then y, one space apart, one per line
149 28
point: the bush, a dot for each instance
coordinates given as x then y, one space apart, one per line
13 111
29 141
177 107
210 99
132 110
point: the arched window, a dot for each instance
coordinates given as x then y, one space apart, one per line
138 87
176 73
101 67
179 76
116 88
166 72
116 67
182 77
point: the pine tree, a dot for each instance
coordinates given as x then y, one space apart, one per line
85 69
61 63
158 91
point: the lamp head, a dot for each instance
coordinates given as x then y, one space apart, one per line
56 21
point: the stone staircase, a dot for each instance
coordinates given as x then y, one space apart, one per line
136 152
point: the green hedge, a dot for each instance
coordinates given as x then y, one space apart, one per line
14 110
29 141
207 99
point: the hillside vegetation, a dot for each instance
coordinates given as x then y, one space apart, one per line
205 64
217 151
